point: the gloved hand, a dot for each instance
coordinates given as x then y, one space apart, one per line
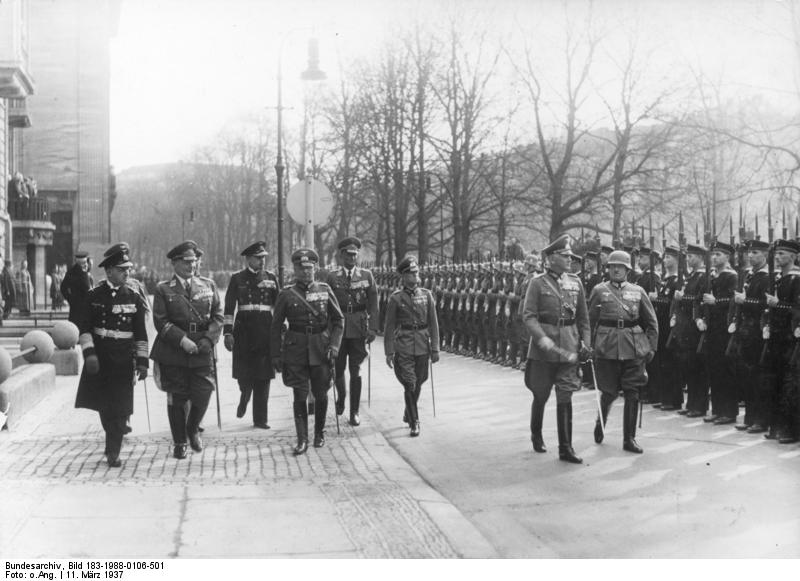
141 372
370 336
772 300
585 353
732 328
546 343
435 357
188 346
229 342
701 325
649 357
389 361
276 364
738 297
332 354
678 295
673 321
92 365
205 346
652 295
708 299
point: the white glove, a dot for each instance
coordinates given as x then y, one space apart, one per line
546 343
673 321
701 325
765 333
188 346
678 295
772 300
738 297
708 299
732 328
796 333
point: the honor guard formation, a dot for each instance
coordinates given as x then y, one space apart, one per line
701 330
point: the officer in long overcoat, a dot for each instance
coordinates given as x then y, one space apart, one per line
113 339
310 345
625 333
554 310
187 313
411 337
250 298
76 285
357 294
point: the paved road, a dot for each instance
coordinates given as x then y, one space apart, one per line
469 486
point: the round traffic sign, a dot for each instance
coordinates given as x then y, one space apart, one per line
321 201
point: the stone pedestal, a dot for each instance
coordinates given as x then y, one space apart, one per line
67 361
27 386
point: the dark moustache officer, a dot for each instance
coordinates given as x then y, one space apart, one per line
310 344
411 337
554 310
251 294
188 318
113 339
357 294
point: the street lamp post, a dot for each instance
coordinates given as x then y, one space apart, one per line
312 73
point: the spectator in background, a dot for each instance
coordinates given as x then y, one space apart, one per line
56 298
514 251
76 283
7 288
24 289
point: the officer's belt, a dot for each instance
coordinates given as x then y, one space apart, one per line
561 322
306 329
195 327
618 323
112 334
351 308
413 326
255 307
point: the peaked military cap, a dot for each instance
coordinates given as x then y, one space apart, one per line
757 245
788 245
672 251
593 254
118 247
718 246
606 249
561 245
408 264
81 254
695 249
350 245
119 259
186 249
305 257
646 251
256 249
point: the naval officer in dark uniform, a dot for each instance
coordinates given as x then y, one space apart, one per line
357 294
251 295
310 345
113 339
187 313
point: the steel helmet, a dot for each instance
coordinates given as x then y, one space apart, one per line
619 257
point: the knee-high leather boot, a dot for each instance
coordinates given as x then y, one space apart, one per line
411 408
301 426
605 406
565 451
320 414
245 390
196 414
177 425
355 400
537 419
630 413
341 394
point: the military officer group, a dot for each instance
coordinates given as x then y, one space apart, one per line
604 320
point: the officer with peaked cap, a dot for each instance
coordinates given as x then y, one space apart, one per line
411 337
625 333
310 345
187 313
113 339
76 285
554 310
357 294
251 295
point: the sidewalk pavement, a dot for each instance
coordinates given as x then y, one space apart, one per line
245 495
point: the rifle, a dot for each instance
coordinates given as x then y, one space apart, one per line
770 289
652 258
710 239
663 251
732 348
681 270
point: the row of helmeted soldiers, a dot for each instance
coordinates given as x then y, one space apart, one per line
727 339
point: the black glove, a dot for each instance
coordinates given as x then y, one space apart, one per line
435 357
276 364
92 365
141 372
585 353
205 346
649 357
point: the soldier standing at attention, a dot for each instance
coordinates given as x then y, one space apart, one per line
251 294
188 318
554 310
310 344
357 294
76 285
625 340
411 337
113 339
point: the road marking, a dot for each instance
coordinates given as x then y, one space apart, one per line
665 418
670 447
739 471
723 433
788 455
694 424
705 458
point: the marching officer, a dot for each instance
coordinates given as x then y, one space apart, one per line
76 284
625 339
357 294
113 339
554 310
310 344
187 313
251 294
411 337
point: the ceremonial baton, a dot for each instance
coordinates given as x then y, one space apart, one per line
147 404
332 382
597 398
369 374
216 383
433 394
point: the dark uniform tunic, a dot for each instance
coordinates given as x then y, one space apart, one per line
251 296
684 337
195 313
75 287
358 299
666 361
112 327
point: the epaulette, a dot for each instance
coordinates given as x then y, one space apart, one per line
100 284
203 278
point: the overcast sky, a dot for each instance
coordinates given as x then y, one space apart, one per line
181 69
